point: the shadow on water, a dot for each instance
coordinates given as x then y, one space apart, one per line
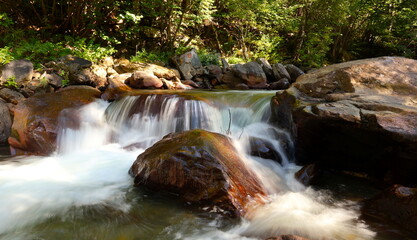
4 152
357 189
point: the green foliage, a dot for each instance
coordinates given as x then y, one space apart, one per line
309 32
5 55
11 83
65 77
150 57
5 21
88 49
208 58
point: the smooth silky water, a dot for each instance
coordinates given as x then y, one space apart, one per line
83 190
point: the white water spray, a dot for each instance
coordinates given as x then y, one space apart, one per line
91 164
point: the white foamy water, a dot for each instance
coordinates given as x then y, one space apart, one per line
91 164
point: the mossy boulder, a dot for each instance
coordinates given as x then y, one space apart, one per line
35 123
201 167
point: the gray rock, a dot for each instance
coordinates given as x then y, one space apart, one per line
251 74
10 96
280 72
267 69
5 122
225 65
189 65
20 71
215 73
280 84
73 64
87 77
294 72
53 79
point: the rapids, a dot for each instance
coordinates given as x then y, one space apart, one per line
86 180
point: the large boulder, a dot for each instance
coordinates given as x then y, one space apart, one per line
267 68
201 167
5 122
189 65
19 71
281 72
144 80
125 66
250 74
356 116
34 128
397 203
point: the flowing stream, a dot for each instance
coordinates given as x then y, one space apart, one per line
83 190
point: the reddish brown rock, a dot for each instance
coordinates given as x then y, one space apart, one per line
144 80
201 167
397 203
34 128
115 89
356 116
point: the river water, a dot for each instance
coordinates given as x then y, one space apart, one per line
83 190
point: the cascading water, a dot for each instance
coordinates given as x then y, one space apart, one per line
86 179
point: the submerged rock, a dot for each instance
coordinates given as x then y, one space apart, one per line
357 116
201 167
398 204
34 128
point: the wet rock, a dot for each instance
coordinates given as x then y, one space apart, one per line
201 167
191 83
241 86
189 65
307 174
280 72
280 84
10 96
398 204
144 80
287 237
116 89
20 71
5 122
34 128
266 67
356 116
294 72
263 149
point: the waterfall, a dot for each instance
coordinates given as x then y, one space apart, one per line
90 167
